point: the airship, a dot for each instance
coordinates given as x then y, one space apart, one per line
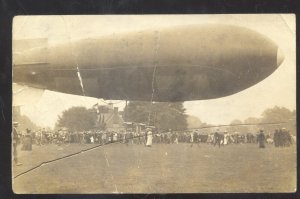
172 64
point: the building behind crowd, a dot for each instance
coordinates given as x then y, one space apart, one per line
109 118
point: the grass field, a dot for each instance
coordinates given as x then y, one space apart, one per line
117 168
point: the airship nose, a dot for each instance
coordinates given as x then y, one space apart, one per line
280 57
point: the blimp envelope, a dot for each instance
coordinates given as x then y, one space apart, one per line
179 63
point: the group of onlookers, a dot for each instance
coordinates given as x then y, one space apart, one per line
281 137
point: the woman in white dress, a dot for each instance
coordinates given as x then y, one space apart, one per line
92 139
149 138
115 137
226 138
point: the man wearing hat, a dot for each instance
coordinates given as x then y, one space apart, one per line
15 139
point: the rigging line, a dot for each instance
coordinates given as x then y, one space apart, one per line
246 124
67 156
153 75
119 141
110 118
67 29
80 81
152 95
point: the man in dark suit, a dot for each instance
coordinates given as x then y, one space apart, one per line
261 139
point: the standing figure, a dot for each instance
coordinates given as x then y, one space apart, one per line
126 138
103 138
261 139
226 136
195 138
176 139
92 139
115 137
27 143
192 138
218 138
15 144
142 137
149 137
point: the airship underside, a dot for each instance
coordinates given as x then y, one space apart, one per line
181 63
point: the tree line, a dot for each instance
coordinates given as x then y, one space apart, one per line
271 115
166 116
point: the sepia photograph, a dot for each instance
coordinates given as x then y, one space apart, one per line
183 103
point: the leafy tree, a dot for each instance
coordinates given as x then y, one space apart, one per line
137 112
194 122
163 115
270 115
280 114
77 119
277 114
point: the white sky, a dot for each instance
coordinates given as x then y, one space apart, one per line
278 89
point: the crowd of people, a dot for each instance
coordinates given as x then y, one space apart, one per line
280 138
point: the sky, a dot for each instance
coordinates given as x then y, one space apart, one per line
279 89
